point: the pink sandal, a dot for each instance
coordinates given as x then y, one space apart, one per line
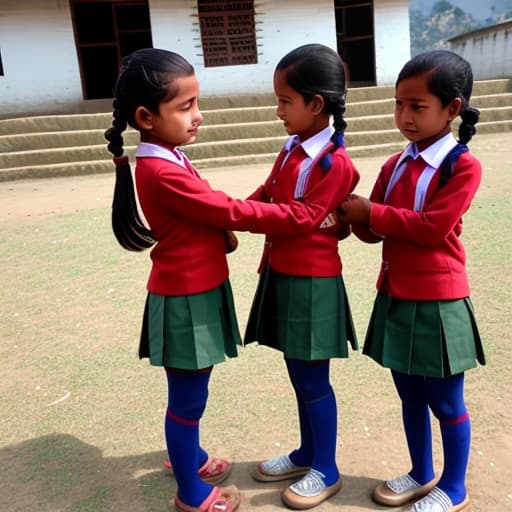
221 499
214 471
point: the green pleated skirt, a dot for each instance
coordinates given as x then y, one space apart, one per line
306 318
427 338
190 331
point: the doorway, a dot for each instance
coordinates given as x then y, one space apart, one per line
355 39
105 32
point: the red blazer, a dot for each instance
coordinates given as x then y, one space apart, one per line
422 255
188 218
313 253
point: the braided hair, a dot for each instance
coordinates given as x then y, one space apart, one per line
145 80
450 77
315 69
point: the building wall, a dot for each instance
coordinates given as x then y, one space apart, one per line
39 56
392 39
280 27
489 51
42 71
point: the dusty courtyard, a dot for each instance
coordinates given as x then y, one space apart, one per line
81 417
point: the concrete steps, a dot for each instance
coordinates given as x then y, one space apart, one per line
235 131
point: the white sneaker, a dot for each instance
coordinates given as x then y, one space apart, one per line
403 483
312 484
438 501
309 491
400 490
278 468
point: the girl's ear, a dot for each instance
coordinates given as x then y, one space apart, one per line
317 104
454 108
143 118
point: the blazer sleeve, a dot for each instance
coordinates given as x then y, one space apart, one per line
191 197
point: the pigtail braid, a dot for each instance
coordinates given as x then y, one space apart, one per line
467 129
337 109
127 225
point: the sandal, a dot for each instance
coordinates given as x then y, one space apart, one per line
214 471
221 499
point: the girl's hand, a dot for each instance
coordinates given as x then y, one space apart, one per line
355 210
231 241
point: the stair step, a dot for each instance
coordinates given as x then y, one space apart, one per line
56 170
221 150
236 131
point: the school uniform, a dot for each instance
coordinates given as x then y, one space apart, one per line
189 319
300 306
423 322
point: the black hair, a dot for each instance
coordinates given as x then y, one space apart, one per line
145 80
449 77
314 69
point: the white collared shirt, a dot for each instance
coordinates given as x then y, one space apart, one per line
433 156
147 149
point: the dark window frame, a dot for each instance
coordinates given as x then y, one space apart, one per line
113 45
1 65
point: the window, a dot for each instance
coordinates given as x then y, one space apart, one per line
355 39
227 32
105 32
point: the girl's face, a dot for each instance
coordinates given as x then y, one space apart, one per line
300 118
177 121
419 114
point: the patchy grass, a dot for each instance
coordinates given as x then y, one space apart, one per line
81 416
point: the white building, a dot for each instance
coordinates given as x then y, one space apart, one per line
489 50
63 55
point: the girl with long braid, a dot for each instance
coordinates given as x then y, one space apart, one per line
189 321
422 326
301 307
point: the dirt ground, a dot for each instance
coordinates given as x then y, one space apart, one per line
371 445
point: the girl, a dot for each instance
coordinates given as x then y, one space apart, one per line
422 326
300 306
189 321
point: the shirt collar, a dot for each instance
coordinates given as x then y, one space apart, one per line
314 144
146 149
434 154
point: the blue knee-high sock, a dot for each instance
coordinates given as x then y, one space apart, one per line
188 392
416 421
447 403
312 381
302 456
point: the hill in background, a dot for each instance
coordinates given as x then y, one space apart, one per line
434 21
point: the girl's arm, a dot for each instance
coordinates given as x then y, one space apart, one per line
430 226
191 197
